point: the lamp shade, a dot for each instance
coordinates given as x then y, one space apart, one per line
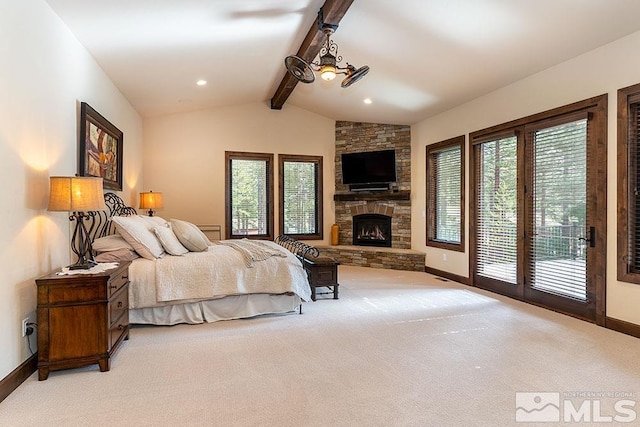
151 200
75 194
328 72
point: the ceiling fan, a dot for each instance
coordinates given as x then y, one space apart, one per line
327 65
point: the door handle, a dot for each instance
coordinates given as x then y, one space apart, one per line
591 238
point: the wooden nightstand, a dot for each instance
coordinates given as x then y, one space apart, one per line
82 319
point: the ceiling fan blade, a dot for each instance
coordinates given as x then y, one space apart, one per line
299 68
354 76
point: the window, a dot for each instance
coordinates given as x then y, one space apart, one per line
301 196
445 194
249 195
629 184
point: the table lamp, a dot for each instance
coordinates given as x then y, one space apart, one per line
81 196
151 201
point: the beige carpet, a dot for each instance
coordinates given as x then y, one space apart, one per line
397 349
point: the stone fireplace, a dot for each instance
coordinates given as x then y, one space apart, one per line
353 137
395 206
385 242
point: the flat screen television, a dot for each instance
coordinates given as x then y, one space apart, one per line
370 167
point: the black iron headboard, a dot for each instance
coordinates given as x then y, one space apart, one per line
101 225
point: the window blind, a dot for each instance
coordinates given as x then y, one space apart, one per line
634 187
445 190
559 216
628 195
497 219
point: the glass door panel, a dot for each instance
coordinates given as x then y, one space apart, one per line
559 237
497 219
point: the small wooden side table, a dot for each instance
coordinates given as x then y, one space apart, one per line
82 319
322 273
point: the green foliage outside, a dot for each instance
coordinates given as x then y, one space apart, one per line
559 196
560 191
249 197
300 205
498 201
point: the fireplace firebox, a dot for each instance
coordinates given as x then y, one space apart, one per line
372 230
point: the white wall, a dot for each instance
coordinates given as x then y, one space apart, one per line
44 76
184 155
603 70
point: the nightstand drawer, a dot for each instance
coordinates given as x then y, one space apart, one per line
74 292
119 304
118 329
117 281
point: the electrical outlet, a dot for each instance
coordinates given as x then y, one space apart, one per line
444 257
24 326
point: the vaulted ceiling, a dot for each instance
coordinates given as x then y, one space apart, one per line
426 56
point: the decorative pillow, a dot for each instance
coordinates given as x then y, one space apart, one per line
156 220
190 235
119 255
137 232
169 241
109 243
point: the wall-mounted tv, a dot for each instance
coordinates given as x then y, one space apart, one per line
370 167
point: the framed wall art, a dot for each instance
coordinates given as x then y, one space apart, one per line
100 148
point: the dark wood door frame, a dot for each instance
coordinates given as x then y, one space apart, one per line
597 181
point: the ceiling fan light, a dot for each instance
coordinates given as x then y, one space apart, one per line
328 72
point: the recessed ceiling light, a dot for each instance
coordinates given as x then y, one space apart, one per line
201 82
367 101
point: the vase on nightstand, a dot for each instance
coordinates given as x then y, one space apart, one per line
335 230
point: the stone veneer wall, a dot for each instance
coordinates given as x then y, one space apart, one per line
392 259
357 137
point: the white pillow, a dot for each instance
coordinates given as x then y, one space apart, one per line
137 232
190 235
156 220
169 241
112 242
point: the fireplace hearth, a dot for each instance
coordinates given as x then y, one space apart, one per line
372 230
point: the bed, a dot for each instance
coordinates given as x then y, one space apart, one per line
196 281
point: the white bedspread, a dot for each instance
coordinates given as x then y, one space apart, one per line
218 272
253 250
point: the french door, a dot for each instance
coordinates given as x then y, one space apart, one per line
539 217
559 238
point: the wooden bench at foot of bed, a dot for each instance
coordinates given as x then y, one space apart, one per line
322 272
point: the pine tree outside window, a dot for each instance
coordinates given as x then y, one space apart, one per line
249 195
300 196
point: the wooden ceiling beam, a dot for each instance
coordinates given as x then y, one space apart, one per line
333 11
